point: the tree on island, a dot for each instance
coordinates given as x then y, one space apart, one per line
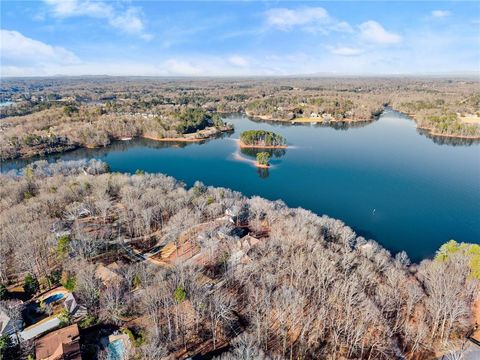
262 138
263 158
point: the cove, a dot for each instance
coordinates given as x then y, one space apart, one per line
387 180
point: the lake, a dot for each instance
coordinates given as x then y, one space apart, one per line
385 179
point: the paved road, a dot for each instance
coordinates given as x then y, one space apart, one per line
35 330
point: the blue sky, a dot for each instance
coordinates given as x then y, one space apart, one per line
199 38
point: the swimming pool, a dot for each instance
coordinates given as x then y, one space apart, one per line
116 350
53 298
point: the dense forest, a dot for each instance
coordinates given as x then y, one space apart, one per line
66 127
58 114
205 270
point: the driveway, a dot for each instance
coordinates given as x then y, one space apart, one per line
472 353
38 329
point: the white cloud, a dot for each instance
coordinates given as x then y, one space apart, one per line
17 48
284 18
342 26
128 20
346 51
313 19
68 8
440 13
372 31
238 61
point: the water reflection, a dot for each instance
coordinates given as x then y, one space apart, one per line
344 125
262 173
449 141
274 153
336 125
117 146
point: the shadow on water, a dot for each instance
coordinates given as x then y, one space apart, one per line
449 141
263 173
344 125
117 146
336 125
274 153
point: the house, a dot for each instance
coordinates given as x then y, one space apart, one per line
107 274
237 215
7 325
59 344
73 308
327 117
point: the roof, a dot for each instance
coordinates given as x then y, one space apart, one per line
4 322
70 303
106 274
60 344
7 325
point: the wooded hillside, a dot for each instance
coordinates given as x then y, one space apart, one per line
202 268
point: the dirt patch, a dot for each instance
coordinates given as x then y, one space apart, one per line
470 119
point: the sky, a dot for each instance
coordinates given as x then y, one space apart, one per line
238 38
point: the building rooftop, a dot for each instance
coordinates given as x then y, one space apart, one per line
60 344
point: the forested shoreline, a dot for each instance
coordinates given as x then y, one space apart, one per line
52 115
206 269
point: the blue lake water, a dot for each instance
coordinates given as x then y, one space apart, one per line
384 179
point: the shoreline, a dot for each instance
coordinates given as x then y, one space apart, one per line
210 134
431 130
304 120
173 139
76 146
322 121
261 166
237 156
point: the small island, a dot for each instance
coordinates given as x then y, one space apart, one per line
263 159
262 139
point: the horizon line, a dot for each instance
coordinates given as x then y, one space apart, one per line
471 73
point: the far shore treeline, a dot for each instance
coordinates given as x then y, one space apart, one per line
53 115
